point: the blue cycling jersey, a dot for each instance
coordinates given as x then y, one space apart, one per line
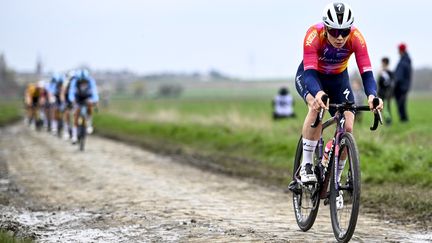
90 92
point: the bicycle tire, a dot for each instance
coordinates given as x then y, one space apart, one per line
59 127
81 137
351 187
39 124
306 219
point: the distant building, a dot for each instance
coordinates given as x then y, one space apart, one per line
39 68
25 77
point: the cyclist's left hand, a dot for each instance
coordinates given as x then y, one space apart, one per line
370 102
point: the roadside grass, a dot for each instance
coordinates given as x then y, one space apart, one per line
238 137
6 237
9 112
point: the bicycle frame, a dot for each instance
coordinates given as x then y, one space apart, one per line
82 125
82 115
340 129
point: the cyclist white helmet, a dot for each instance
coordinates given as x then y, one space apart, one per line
41 84
71 73
338 16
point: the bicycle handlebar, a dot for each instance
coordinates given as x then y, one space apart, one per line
351 106
377 115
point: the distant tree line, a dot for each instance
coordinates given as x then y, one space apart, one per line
211 75
8 85
422 79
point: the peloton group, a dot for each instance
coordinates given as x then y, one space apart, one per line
49 104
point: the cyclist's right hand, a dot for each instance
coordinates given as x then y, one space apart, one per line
318 103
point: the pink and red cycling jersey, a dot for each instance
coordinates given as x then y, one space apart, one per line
320 55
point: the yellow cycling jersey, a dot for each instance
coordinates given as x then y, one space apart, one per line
33 91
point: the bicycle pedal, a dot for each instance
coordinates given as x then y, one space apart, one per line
295 187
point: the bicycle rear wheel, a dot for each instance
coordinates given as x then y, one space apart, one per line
305 198
345 198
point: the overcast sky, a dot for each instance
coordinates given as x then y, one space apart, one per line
244 38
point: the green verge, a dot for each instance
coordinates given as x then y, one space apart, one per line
9 112
395 162
6 237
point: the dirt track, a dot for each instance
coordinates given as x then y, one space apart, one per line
118 193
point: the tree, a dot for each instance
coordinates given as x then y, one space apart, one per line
8 85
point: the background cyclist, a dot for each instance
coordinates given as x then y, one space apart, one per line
34 98
54 99
67 104
327 47
82 90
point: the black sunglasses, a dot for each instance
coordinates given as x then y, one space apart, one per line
336 32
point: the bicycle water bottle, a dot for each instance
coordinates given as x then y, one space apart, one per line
325 159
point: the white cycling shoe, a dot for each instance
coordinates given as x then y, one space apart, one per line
54 131
307 174
66 136
90 129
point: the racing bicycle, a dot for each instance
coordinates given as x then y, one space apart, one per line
342 194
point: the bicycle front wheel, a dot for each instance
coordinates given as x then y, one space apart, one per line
81 136
59 127
345 190
305 198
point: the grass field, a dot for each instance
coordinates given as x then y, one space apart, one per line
6 237
10 111
240 137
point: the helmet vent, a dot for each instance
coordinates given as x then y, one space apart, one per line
349 15
329 15
340 18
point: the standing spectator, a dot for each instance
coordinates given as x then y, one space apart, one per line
283 104
402 76
385 88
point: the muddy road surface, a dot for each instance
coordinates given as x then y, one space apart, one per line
114 192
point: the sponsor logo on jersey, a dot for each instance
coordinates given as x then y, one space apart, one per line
311 37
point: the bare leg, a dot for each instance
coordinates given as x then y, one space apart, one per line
309 132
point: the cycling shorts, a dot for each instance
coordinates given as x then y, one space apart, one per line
35 101
336 86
